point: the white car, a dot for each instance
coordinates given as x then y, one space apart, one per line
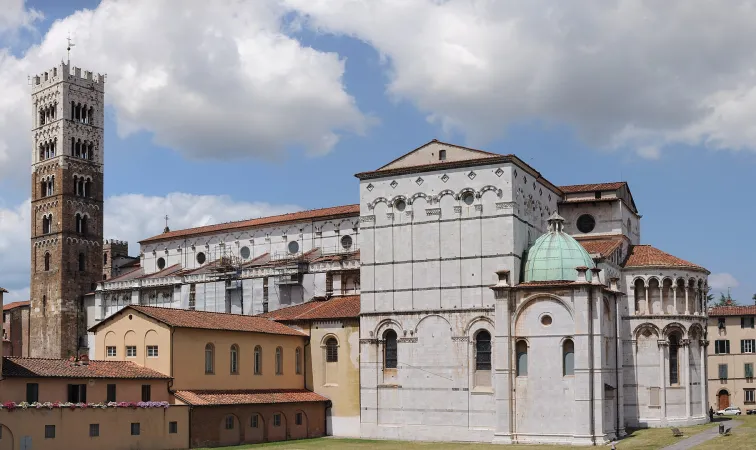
729 411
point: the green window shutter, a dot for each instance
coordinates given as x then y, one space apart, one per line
723 371
749 370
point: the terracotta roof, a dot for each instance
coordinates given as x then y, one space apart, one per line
168 271
334 211
648 256
574 188
63 368
336 308
354 256
604 246
134 273
732 311
14 305
248 397
547 283
184 318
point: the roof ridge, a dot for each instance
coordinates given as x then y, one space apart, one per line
190 311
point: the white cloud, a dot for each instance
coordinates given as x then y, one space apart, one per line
722 281
15 15
211 80
625 74
129 217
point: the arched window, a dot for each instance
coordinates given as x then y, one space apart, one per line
568 357
78 223
483 350
298 361
279 361
105 258
522 358
84 221
390 350
82 262
46 224
332 350
674 349
47 262
258 360
209 358
234 359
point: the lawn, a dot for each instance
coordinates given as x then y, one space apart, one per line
646 439
742 438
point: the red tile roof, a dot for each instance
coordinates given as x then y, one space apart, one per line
648 256
574 188
346 307
63 368
248 397
132 274
732 311
604 246
14 305
184 318
313 214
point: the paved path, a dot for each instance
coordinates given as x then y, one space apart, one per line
702 437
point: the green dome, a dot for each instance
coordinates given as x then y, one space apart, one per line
555 255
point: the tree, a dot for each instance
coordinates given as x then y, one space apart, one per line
754 299
724 300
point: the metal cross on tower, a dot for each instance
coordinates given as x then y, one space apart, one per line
68 49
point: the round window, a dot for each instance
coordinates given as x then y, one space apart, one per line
201 258
346 242
400 205
293 247
244 252
546 320
161 263
586 223
468 198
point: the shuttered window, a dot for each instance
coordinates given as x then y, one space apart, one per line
723 371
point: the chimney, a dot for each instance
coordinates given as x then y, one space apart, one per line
84 359
503 278
581 274
595 275
614 283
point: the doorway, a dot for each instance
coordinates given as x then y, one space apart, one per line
724 399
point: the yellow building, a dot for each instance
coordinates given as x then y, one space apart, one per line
732 356
332 356
244 376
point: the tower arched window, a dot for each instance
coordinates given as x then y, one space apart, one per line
78 223
234 359
46 224
90 114
674 350
390 350
47 262
332 350
105 258
521 350
82 262
568 357
78 148
258 360
87 187
84 117
51 186
43 188
209 358
90 151
279 361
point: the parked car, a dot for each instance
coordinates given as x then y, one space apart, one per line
729 411
751 411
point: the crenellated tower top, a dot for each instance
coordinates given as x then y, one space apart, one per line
69 73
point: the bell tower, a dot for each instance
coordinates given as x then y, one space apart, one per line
66 206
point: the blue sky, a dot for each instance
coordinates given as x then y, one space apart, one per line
691 186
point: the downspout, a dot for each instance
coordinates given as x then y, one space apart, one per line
616 366
170 382
591 415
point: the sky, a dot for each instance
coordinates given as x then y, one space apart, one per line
227 110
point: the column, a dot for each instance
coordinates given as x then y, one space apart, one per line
702 346
697 304
503 364
662 379
687 310
661 297
648 304
686 376
674 297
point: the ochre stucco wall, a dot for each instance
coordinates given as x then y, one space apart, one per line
139 330
72 428
189 360
56 389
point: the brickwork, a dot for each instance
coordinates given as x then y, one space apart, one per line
67 200
111 250
209 428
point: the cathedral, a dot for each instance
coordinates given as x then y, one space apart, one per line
495 306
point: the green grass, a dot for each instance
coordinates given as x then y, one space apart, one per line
742 437
642 439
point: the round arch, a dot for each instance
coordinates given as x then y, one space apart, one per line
672 327
528 300
385 324
653 329
417 326
477 320
230 430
